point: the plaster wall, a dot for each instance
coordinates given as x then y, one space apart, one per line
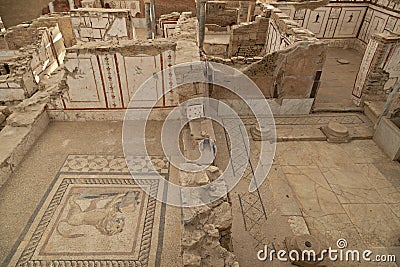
102 25
220 14
344 21
102 81
248 39
132 5
379 70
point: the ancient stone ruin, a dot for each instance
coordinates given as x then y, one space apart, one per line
199 133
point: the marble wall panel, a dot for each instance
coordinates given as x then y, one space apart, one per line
340 20
109 81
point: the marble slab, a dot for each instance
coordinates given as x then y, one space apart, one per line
385 188
312 191
351 186
296 106
376 223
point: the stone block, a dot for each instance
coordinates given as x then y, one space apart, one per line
5 110
297 106
23 119
16 142
12 94
191 260
14 85
2 118
253 36
387 136
223 215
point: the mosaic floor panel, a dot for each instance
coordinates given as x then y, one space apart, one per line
95 214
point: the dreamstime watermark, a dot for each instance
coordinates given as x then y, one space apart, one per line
195 73
341 253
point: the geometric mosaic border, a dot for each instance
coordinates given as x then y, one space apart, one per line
115 164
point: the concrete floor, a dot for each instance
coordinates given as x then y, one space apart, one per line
338 79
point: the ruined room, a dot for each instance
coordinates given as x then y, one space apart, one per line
188 133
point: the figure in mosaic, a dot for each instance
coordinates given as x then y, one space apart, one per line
107 219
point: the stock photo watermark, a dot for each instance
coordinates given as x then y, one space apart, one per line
338 254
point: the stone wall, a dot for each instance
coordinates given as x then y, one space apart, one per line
288 78
167 6
286 69
167 24
91 4
206 234
104 76
379 70
246 11
344 21
49 53
23 127
102 24
283 32
27 67
27 33
289 73
248 39
220 14
22 130
61 6
133 5
268 33
205 239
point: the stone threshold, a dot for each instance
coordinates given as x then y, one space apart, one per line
314 133
336 108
